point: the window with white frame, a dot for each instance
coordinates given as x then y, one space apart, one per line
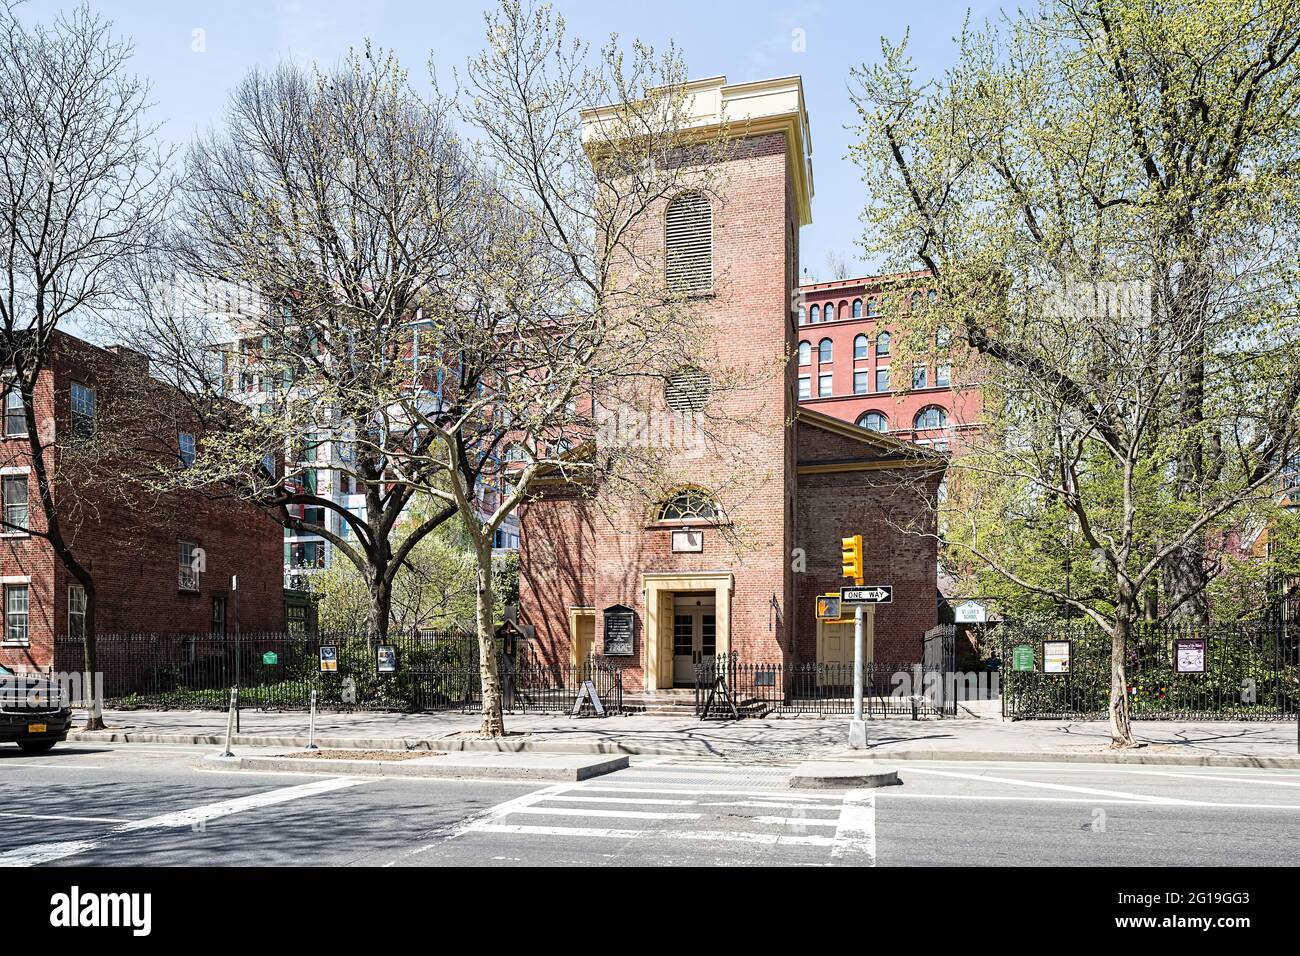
860 383
76 611
943 376
918 376
15 504
805 386
15 413
824 384
185 441
882 343
16 613
873 421
825 351
882 379
805 353
861 345
931 417
189 575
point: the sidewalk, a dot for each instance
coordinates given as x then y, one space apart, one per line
785 741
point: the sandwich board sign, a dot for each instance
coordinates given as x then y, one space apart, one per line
868 594
587 695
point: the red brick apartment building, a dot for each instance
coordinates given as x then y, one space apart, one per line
588 568
138 546
848 369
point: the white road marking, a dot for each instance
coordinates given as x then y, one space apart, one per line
47 852
14 764
1157 802
213 811
709 791
855 831
711 836
44 852
1135 797
624 814
637 800
797 821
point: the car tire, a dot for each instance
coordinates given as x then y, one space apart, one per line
36 746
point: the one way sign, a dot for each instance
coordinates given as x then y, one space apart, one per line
871 594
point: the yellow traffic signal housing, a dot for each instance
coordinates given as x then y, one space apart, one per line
852 557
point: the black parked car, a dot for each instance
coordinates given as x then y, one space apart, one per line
33 713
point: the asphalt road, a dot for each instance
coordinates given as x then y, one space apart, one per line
134 804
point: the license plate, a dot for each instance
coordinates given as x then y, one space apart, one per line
36 728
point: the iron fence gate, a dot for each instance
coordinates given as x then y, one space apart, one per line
1248 671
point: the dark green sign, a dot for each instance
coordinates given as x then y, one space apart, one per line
270 657
1022 657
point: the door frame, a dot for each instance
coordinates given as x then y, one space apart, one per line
658 588
576 616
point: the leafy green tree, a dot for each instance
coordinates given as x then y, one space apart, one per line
1103 194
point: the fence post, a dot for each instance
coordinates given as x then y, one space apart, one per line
311 725
230 721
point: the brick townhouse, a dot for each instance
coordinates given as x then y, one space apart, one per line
687 587
91 402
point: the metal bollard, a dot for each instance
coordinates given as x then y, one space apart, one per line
311 726
230 721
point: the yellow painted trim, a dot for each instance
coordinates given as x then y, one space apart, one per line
575 616
657 663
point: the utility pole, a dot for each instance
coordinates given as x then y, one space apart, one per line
851 549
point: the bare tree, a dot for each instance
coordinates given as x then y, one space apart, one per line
81 188
319 231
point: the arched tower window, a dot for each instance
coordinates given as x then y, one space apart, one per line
857 308
825 350
688 244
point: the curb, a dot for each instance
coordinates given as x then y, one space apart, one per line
523 744
434 769
1135 758
841 775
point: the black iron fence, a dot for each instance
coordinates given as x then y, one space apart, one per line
1240 671
430 671
889 689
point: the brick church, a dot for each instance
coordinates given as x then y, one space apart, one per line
683 588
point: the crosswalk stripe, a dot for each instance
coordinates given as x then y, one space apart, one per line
624 814
710 836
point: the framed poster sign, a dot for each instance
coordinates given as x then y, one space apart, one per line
386 659
619 639
1189 655
329 659
1056 657
1022 658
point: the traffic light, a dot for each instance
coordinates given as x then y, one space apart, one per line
852 557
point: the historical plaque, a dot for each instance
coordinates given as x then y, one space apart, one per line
619 620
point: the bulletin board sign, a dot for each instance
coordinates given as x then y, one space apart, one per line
1189 655
1056 657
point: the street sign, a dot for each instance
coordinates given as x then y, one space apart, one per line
871 594
270 657
1022 658
970 612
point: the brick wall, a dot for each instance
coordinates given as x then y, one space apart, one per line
125 534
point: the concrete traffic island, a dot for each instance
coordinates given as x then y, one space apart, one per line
464 764
842 775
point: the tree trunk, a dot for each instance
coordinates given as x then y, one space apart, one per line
381 605
1121 730
90 660
1186 576
493 719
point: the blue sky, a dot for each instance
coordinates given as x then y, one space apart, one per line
744 41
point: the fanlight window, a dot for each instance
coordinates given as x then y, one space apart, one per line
688 244
688 390
874 421
932 417
690 504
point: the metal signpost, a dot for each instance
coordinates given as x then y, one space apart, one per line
865 599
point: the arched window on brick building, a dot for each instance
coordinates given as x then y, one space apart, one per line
930 417
861 344
873 421
825 350
805 353
689 504
857 308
